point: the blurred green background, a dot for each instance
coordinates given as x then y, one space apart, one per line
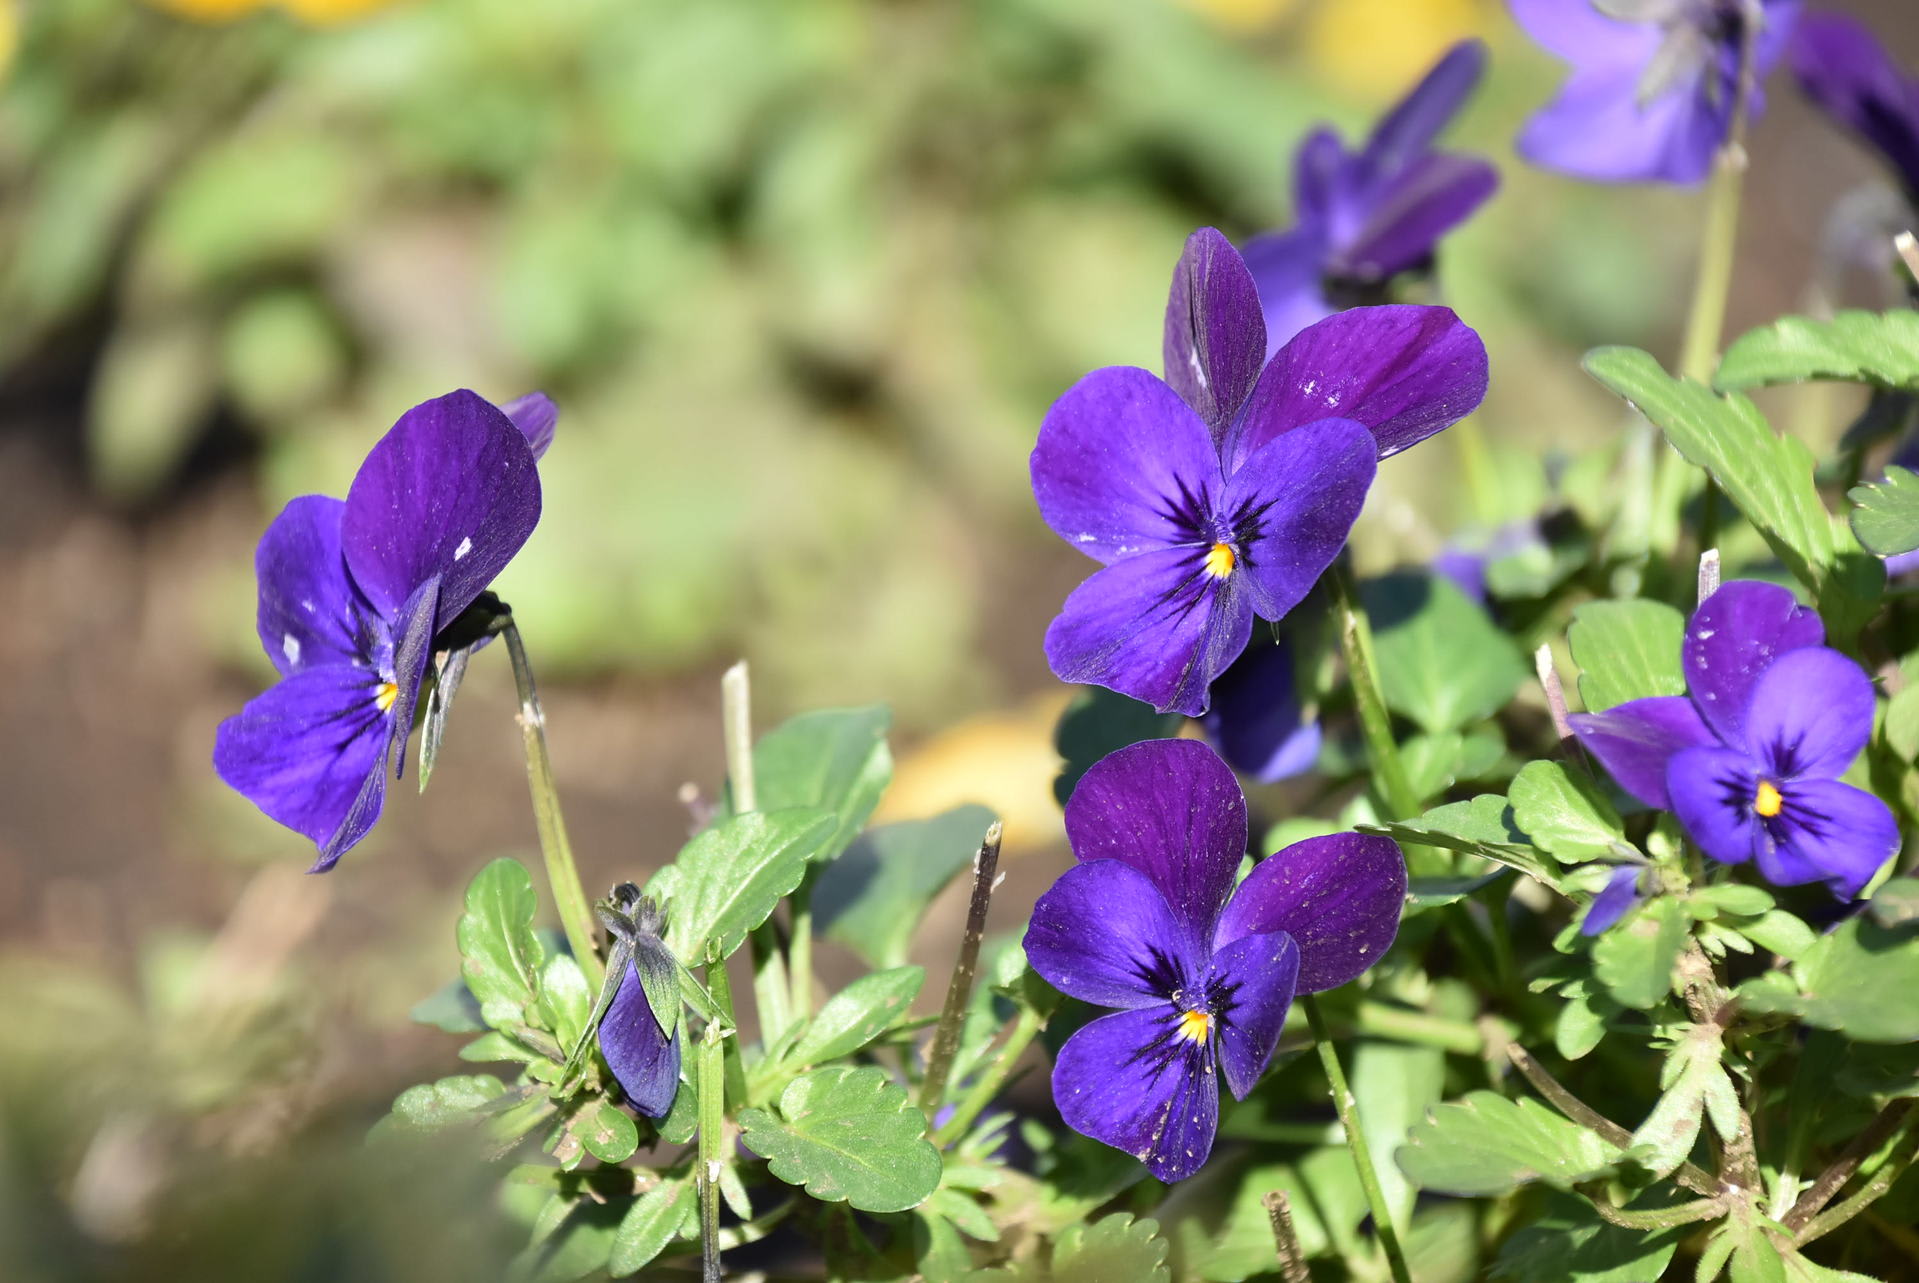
802 275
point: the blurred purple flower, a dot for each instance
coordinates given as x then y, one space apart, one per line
352 594
1362 217
1257 720
1149 922
1749 758
1653 86
1845 70
1223 491
1620 893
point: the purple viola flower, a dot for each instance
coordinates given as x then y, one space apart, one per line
1749 757
643 1055
1844 69
1620 894
1223 491
1653 86
352 594
1362 217
1201 974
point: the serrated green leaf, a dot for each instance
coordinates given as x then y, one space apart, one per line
1483 827
857 1014
1695 1088
1485 1144
1635 960
649 1225
1626 650
1442 661
1880 348
872 898
1777 931
565 1001
731 877
500 955
1567 1242
1563 813
833 760
847 1134
1885 514
445 1103
1863 979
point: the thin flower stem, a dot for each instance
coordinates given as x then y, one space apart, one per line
1419 1028
1857 1151
1356 640
959 990
772 994
720 987
1872 1191
1689 1175
988 1084
562 875
1663 1219
1356 1141
799 951
712 1115
1292 1260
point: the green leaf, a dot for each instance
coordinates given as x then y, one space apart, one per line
1885 514
500 954
872 898
857 1014
1568 1243
1735 898
606 1131
1896 904
453 1008
446 1103
565 1002
1853 347
847 1134
834 760
576 1245
731 877
1696 1088
1563 813
1635 960
1777 931
1482 827
1626 650
649 1225
1486 1144
1098 722
1863 979
1442 660
1110 1249
1393 1086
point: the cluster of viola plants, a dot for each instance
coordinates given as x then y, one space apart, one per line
1607 980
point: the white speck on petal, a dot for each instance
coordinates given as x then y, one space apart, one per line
290 647
466 546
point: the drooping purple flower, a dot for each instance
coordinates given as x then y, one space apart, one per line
1847 72
643 1055
1222 492
1749 758
352 595
1654 83
1362 217
1148 922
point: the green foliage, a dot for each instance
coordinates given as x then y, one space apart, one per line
446 1103
653 1221
857 1014
1098 722
1626 650
730 878
1696 1087
1485 1144
500 956
1484 827
872 898
834 760
848 1135
1442 661
1564 813
1885 514
1567 1242
1115 1247
1636 958
1863 978
1881 348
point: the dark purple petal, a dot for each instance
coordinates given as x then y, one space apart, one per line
1155 626
1620 893
1713 791
1434 195
1130 1081
451 491
1811 714
1120 457
1324 177
1598 128
308 613
1827 832
646 1064
1402 371
1290 269
1635 741
1411 127
1253 982
1732 638
1215 341
1172 810
1843 68
1338 896
1292 503
412 647
536 417
1104 934
1257 721
306 749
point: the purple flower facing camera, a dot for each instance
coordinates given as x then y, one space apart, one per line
1200 973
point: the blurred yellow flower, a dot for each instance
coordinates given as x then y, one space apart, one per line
1243 15
1376 48
9 35
318 13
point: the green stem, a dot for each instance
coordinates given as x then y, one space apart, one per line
1356 641
1419 1028
959 989
1356 1141
562 875
1706 318
712 1111
1703 1209
1871 1192
720 986
771 992
988 1084
799 959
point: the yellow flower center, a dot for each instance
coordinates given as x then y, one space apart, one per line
383 698
1767 802
1194 1026
1221 560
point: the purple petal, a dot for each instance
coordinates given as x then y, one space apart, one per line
1290 269
1580 34
1403 371
1116 456
1215 341
1598 128
1811 714
536 417
452 491
1155 626
1172 810
637 1051
308 614
1260 973
1433 196
1325 176
1338 896
1410 128
1827 832
1298 496
1713 791
1635 741
1731 639
412 646
307 749
1842 67
1129 1081
1104 934
1257 721
1620 893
